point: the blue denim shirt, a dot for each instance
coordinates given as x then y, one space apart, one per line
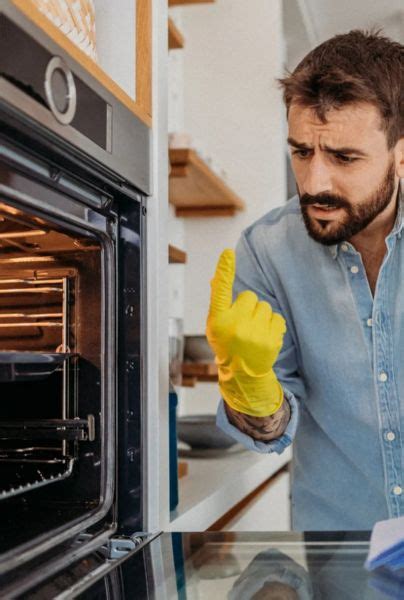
340 368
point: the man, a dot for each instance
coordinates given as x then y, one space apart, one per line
312 331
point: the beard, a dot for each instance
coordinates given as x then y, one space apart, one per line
356 218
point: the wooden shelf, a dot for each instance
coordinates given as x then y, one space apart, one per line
188 381
175 37
182 469
195 190
194 372
182 2
175 255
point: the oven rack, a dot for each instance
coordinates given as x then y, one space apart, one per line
78 429
29 305
27 474
30 366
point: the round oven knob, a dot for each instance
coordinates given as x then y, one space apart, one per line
60 90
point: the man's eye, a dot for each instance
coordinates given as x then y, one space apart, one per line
301 153
344 158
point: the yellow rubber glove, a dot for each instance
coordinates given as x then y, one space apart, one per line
246 337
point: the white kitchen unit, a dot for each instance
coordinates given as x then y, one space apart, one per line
269 510
213 487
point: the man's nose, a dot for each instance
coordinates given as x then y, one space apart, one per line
318 177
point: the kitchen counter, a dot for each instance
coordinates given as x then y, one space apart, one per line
214 485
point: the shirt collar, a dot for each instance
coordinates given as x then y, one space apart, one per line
398 223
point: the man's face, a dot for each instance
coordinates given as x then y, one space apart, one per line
345 174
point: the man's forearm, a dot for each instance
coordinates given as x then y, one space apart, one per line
262 429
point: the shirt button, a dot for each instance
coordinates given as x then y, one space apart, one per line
382 377
390 436
397 490
369 322
344 247
354 269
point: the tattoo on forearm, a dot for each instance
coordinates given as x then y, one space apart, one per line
263 429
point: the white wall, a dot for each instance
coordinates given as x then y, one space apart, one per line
234 52
230 105
176 230
256 516
116 41
156 491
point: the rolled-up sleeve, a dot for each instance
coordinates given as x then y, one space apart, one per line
278 445
252 274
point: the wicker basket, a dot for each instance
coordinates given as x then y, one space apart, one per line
76 18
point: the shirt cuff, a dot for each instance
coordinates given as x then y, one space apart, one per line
272 566
278 445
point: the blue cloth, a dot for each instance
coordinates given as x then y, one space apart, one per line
340 367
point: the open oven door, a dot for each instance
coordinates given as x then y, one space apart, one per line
234 565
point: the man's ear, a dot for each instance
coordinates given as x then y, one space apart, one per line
399 154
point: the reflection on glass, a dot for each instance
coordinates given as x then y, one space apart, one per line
256 566
228 566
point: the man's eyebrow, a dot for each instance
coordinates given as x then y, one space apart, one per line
299 145
342 150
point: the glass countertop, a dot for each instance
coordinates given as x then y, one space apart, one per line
258 566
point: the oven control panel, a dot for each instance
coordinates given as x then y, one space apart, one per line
41 84
60 90
48 80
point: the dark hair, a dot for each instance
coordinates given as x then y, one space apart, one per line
359 66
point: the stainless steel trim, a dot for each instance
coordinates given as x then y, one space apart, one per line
125 162
58 64
88 580
109 128
94 196
35 577
40 115
25 202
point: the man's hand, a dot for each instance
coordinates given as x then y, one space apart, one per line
246 337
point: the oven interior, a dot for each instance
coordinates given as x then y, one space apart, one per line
51 369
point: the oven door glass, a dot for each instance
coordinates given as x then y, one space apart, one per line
236 566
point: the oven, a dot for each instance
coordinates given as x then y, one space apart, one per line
74 181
